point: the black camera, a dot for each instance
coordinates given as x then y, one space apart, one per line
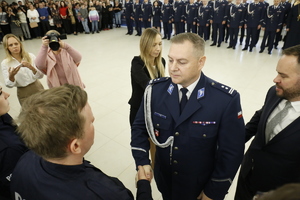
54 40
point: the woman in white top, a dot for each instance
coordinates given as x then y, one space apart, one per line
24 24
33 16
19 70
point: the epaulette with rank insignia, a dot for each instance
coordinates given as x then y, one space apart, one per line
158 80
226 89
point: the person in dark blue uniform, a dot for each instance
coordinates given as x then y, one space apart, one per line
167 17
56 168
218 22
226 28
266 5
235 22
179 16
254 18
272 159
245 4
196 124
191 16
271 24
286 7
138 17
11 146
147 14
129 16
203 20
157 16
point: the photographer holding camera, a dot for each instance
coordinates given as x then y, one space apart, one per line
59 61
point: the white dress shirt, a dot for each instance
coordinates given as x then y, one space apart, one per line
293 113
190 89
24 76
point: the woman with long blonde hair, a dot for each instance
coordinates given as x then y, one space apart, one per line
18 68
148 65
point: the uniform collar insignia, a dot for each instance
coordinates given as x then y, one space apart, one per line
200 93
170 89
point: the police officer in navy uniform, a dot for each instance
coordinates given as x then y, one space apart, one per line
271 24
286 7
56 168
254 18
167 16
138 17
218 22
129 16
191 16
147 13
179 16
196 124
245 4
11 146
203 20
235 22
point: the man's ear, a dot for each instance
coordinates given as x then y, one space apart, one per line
74 146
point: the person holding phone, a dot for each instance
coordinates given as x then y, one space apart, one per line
19 70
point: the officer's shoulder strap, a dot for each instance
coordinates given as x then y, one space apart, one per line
224 88
158 80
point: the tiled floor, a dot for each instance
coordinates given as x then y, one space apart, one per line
105 70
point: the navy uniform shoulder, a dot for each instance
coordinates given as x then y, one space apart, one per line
224 88
158 80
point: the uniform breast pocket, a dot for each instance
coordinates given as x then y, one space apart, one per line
204 131
161 121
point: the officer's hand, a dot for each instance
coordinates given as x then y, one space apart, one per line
223 22
263 29
202 196
287 29
258 27
245 26
228 25
240 26
277 30
207 24
148 172
141 174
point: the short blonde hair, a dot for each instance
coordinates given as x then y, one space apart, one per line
51 119
146 43
196 40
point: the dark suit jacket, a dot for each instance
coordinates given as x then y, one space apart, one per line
139 80
208 139
271 165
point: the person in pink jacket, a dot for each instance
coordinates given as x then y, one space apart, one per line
60 66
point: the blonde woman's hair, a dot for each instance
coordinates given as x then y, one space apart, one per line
24 55
146 42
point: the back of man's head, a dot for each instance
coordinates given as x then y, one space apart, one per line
287 192
196 40
293 51
50 119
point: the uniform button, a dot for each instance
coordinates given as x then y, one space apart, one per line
252 160
176 133
213 83
204 135
175 148
175 173
175 162
157 124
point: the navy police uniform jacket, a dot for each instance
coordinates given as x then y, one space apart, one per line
147 10
273 18
11 149
204 15
273 164
179 11
236 16
35 178
219 11
137 10
191 13
208 143
129 9
167 12
255 14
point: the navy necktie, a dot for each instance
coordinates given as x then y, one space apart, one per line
183 99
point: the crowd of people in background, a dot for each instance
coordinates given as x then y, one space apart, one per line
218 20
